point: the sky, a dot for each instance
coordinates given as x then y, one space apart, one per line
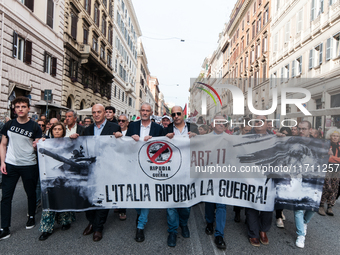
173 62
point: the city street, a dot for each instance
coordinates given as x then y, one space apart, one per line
118 236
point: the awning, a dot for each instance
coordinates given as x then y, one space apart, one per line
315 113
87 111
50 105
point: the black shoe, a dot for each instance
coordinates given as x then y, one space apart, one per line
185 231
30 222
66 227
220 242
137 220
209 230
140 235
44 236
4 234
172 238
237 217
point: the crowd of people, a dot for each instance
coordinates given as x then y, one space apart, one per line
19 159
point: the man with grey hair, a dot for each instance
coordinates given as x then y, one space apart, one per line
73 130
123 122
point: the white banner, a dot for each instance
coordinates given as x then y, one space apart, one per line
249 171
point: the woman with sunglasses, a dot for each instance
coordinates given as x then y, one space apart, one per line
48 218
42 125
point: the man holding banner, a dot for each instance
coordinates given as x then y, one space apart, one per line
143 130
101 126
178 216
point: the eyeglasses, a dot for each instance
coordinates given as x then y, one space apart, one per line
122 121
174 114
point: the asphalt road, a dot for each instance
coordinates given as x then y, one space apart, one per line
118 237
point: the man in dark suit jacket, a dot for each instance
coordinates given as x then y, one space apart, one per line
101 126
143 130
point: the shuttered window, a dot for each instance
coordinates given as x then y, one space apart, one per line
54 67
50 9
28 52
74 21
30 4
15 44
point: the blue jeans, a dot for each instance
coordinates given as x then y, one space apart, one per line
221 216
177 217
143 217
301 218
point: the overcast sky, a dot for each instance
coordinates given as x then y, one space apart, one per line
198 22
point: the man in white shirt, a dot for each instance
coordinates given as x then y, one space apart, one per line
123 123
73 130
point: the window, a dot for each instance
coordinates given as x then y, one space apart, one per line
329 46
299 21
264 44
299 65
311 56
277 5
259 23
74 21
318 54
116 65
130 101
282 74
85 36
273 80
29 4
110 34
243 25
105 3
265 16
337 44
254 9
248 17
95 44
264 70
22 49
109 59
123 95
253 31
104 25
87 5
102 52
293 68
96 14
247 37
287 32
50 64
50 6
287 72
73 69
276 39
312 12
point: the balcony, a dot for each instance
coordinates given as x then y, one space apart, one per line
84 50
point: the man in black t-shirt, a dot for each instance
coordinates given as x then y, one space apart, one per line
18 159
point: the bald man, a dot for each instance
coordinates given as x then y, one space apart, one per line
101 126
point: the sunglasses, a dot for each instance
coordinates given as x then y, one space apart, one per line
122 121
174 114
42 125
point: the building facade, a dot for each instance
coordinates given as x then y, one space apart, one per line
246 53
306 53
88 44
142 87
154 88
126 31
31 53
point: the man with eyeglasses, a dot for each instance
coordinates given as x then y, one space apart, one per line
178 216
303 217
143 130
259 222
123 123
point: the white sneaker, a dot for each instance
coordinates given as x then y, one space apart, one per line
305 227
279 223
300 242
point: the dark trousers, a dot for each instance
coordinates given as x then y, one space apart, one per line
29 176
279 213
97 218
258 221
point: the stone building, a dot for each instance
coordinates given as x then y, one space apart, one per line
143 73
31 53
88 43
306 53
125 33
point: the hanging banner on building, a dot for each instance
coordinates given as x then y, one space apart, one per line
250 171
